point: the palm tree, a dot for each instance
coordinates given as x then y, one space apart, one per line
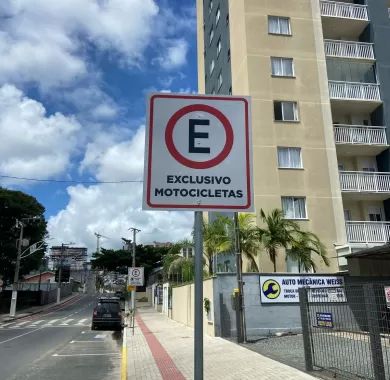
175 265
248 239
305 243
277 233
216 239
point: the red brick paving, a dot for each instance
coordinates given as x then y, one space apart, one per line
164 362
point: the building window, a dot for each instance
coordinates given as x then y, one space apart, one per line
279 25
289 158
210 6
219 46
227 19
212 65
230 90
228 55
211 35
294 207
220 80
285 111
282 67
217 16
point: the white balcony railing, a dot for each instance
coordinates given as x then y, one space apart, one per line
344 10
368 232
354 91
359 134
349 49
365 182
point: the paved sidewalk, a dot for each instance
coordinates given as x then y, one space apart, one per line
163 349
35 309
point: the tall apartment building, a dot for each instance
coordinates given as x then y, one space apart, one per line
318 72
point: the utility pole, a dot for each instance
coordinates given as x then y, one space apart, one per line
98 236
14 298
240 316
59 275
135 230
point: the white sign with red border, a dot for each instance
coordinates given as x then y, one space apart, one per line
198 153
136 276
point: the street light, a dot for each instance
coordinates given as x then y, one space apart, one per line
19 224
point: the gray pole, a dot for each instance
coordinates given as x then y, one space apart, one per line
14 298
198 341
133 265
240 323
59 276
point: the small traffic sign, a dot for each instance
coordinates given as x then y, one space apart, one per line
130 288
136 276
198 153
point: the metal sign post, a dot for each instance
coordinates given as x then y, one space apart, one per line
198 336
198 157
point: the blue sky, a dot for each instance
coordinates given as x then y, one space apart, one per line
73 83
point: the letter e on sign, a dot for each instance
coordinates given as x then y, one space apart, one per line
205 140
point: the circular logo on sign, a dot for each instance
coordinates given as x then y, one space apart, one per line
271 289
192 163
136 272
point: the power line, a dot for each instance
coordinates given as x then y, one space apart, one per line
68 180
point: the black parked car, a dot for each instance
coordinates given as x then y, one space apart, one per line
107 315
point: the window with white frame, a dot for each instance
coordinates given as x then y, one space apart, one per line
211 35
212 65
217 16
219 46
289 157
285 111
220 80
282 67
294 207
210 5
279 25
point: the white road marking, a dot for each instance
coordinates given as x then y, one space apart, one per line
52 321
105 354
100 336
66 322
7 324
21 323
81 321
37 322
19 336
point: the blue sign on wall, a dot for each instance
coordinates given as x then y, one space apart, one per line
324 320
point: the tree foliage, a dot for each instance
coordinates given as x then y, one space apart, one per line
146 256
18 205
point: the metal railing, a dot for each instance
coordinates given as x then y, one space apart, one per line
354 91
349 49
365 182
359 134
347 337
367 232
344 10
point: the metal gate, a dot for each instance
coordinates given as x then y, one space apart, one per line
346 331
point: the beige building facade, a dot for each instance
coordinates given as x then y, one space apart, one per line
315 101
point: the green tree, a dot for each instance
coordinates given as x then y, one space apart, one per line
216 239
303 247
277 233
18 205
248 238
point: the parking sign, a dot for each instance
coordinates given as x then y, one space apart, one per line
198 153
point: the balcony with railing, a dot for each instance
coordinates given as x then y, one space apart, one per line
352 140
368 232
343 10
349 49
354 91
363 183
343 19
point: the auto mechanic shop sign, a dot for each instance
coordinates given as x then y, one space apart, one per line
198 153
284 289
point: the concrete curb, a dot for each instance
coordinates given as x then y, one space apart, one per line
124 345
38 311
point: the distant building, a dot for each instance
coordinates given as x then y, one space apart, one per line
46 276
74 257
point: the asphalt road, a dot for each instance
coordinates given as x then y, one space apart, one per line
59 344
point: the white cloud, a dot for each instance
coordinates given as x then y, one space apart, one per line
33 143
112 208
174 55
45 42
